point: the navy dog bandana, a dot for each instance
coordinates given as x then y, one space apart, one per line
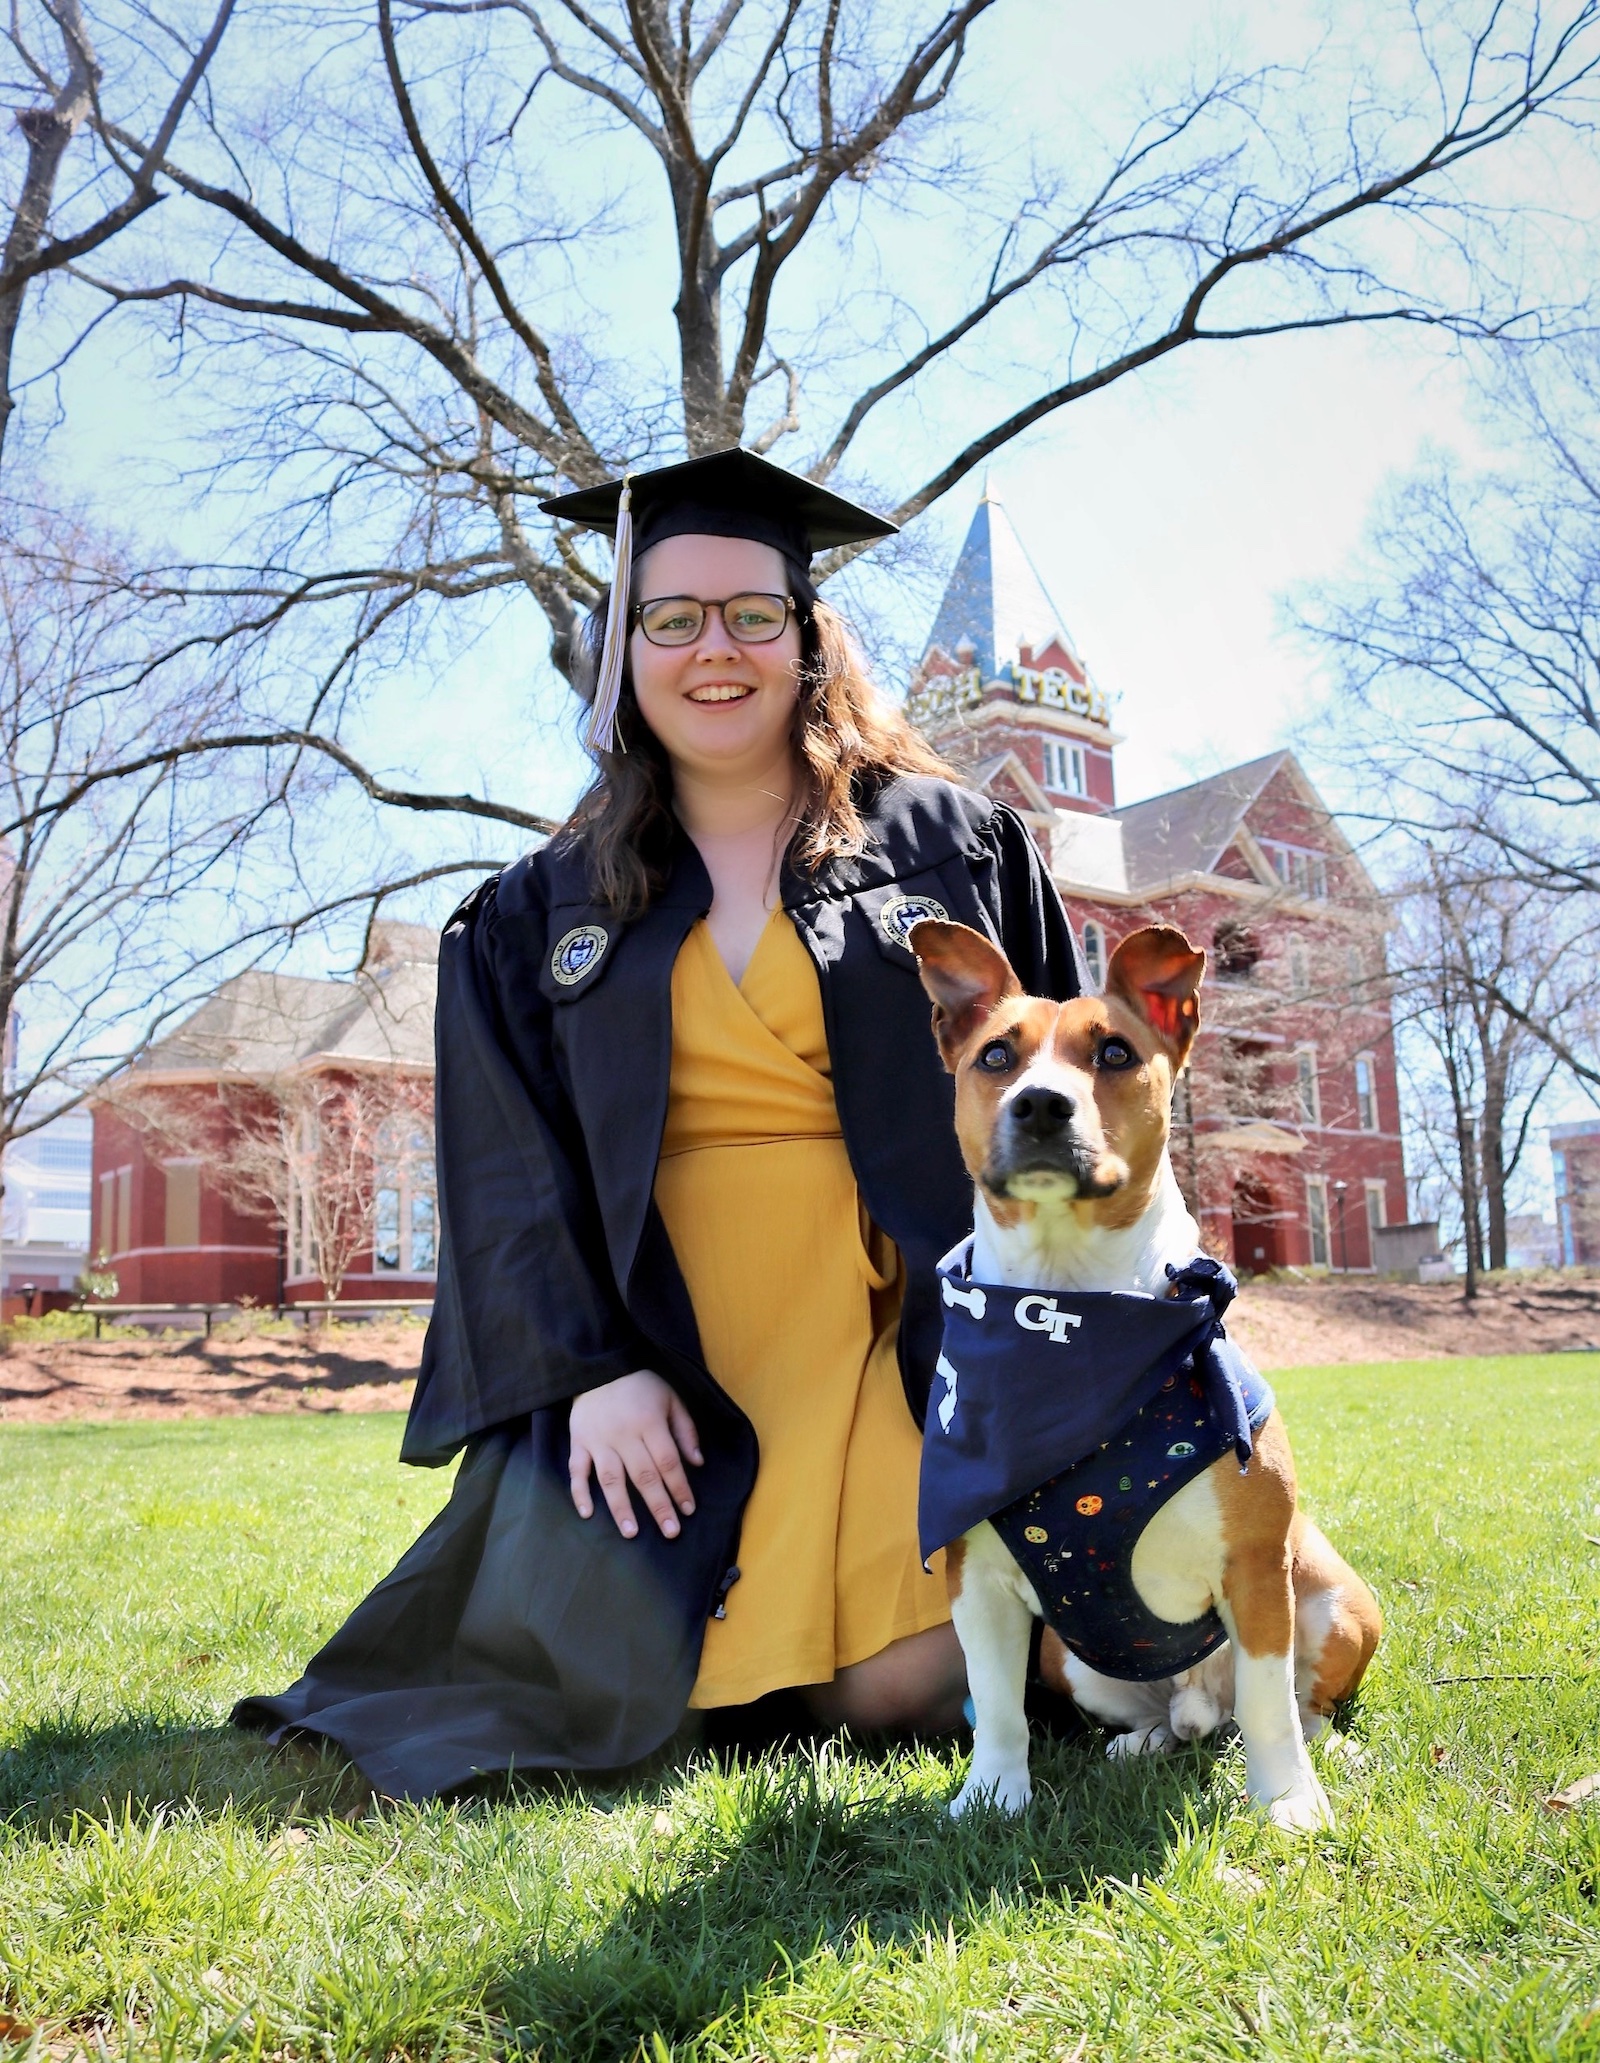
1068 1418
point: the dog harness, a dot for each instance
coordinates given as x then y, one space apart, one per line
1067 1418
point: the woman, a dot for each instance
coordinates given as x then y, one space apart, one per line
696 1168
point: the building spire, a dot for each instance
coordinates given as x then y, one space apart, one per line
995 601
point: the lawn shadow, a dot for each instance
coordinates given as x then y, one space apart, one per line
791 1860
142 1764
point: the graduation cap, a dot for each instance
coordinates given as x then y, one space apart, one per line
726 494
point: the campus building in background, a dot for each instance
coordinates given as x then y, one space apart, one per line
1287 1134
1575 1162
45 1223
179 1135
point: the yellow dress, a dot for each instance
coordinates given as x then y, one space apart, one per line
798 1299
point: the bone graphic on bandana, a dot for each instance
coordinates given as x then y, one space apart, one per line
947 1403
1047 1319
973 1299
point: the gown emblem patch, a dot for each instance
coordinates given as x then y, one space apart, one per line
578 954
901 912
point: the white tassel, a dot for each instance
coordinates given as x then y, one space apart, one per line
608 688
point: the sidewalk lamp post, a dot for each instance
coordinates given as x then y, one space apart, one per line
1339 1189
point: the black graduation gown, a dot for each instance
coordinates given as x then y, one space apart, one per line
513 1633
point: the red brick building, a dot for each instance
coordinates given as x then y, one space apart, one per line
166 1209
1287 1136
1575 1163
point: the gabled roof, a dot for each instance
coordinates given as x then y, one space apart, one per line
995 600
258 1025
1187 830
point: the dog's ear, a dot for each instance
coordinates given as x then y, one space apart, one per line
1157 973
965 974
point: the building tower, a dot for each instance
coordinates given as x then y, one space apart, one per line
1287 1127
1001 690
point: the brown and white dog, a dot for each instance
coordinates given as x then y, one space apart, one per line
1063 1112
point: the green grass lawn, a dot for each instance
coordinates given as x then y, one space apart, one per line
170 1889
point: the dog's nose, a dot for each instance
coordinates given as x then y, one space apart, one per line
1041 1113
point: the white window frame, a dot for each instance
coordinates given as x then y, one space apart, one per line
1308 1088
1377 1195
1366 1099
1070 763
1094 951
1318 1222
1299 969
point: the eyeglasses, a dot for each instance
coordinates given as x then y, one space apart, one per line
748 619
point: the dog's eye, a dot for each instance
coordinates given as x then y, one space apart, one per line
1116 1053
995 1057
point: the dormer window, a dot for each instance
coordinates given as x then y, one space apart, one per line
1299 869
1064 769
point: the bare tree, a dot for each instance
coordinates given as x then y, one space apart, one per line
1477 1073
106 876
391 279
336 1133
301 1149
114 190
1468 669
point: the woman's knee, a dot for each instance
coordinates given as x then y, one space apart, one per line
915 1684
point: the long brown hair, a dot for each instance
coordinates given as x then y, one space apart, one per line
847 736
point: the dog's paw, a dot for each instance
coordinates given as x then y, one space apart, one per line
1304 1810
1008 1790
1144 1740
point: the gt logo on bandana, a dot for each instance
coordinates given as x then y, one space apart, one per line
901 912
1039 1314
578 954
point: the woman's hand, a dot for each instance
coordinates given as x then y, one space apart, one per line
634 1430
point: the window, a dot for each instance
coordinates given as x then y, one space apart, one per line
74 1155
124 1209
422 1245
386 1229
183 1203
1306 873
108 1213
1305 1081
1299 970
1317 1220
1094 952
59 1200
1064 768
1356 965
1366 1092
1377 1211
405 1235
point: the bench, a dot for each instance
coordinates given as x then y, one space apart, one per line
347 1306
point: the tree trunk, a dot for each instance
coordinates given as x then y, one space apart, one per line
1492 1157
1471 1228
47 131
698 314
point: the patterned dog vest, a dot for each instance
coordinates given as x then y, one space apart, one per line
1068 1418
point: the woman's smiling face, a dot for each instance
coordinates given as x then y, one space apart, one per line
720 708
